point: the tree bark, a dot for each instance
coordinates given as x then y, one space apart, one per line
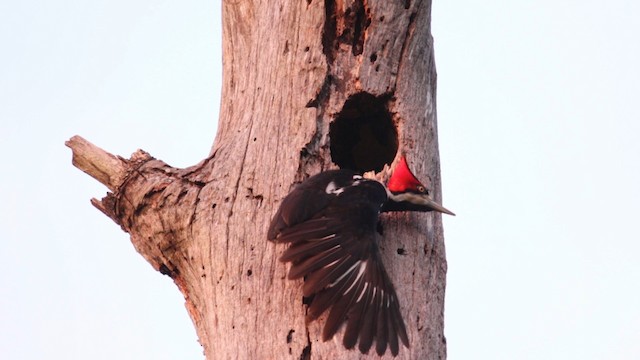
308 85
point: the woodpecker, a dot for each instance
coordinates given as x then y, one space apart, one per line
330 223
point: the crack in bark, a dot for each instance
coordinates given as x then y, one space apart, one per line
192 218
306 351
237 184
311 152
329 31
323 93
356 18
311 148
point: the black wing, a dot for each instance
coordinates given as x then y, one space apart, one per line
308 199
333 246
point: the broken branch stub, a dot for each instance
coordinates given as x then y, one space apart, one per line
108 169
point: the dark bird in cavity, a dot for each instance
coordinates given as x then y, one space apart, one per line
329 222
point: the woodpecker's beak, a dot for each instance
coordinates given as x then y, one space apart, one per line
436 207
411 201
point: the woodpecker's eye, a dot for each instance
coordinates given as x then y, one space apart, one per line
421 189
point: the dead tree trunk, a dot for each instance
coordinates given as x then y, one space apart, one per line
308 85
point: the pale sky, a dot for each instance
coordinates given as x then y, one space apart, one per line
539 130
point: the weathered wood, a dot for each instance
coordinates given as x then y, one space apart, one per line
289 68
108 169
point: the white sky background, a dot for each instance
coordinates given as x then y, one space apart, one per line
539 123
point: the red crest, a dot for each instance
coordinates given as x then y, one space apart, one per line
402 178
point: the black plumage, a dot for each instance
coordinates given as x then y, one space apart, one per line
329 222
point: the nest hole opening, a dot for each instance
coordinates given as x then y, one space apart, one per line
363 135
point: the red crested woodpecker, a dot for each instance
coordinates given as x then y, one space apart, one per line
329 222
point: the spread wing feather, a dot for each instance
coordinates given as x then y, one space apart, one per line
333 245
